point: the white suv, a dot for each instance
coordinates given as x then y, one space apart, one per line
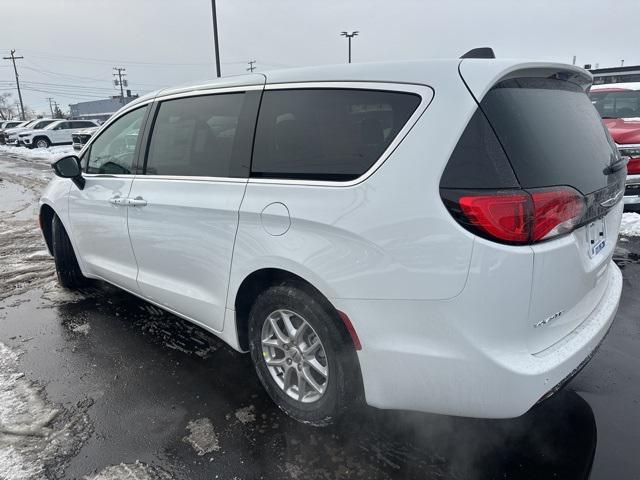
56 133
432 236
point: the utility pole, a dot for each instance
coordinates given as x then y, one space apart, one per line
574 60
13 58
621 63
251 68
349 37
120 82
215 36
50 106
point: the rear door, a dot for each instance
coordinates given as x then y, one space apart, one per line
98 213
183 212
554 137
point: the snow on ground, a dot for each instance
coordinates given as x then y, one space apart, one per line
24 261
46 155
34 435
630 225
202 437
130 471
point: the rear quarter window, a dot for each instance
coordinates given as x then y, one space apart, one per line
326 134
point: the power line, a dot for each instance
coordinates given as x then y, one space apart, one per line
13 58
251 67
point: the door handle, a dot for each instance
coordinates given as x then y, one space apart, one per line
117 200
136 202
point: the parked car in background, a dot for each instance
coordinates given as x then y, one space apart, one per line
10 124
11 134
81 137
619 107
432 236
56 133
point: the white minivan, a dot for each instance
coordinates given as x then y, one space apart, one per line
432 236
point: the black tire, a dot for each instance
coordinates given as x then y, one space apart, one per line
69 273
45 141
343 385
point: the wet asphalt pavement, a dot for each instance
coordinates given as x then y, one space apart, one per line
138 388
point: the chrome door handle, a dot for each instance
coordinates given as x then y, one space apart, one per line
117 200
136 202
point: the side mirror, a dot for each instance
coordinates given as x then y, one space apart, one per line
69 167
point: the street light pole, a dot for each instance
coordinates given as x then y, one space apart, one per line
215 36
349 37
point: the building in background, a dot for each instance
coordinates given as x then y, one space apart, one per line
99 109
616 74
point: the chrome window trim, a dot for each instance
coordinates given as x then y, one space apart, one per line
192 178
425 92
208 91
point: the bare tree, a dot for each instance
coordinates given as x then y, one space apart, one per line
7 109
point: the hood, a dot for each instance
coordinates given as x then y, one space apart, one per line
29 131
9 131
624 131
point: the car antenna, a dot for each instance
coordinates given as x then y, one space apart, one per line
481 52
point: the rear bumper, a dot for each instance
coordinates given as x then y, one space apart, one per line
415 357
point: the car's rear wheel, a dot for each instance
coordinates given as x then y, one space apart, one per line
302 357
41 142
67 268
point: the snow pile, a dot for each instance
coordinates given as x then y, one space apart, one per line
202 436
47 155
630 225
131 471
33 434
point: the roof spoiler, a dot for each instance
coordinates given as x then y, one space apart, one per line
482 52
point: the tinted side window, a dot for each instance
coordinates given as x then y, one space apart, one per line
551 133
113 152
196 136
478 161
326 134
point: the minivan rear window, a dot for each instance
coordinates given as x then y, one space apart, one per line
326 134
551 133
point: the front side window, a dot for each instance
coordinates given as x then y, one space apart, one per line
326 134
195 136
113 152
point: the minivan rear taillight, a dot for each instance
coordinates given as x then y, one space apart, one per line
517 216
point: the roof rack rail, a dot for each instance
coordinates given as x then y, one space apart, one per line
482 52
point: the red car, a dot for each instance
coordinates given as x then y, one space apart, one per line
619 107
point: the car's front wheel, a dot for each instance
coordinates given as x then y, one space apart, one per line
303 359
41 142
67 268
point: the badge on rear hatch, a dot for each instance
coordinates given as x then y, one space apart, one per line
596 236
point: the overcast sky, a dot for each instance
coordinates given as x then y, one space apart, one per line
70 46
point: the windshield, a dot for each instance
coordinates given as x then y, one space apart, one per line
617 103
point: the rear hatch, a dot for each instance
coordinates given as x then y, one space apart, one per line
568 178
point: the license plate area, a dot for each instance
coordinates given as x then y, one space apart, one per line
596 237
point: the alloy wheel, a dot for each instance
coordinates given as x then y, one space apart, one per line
295 356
